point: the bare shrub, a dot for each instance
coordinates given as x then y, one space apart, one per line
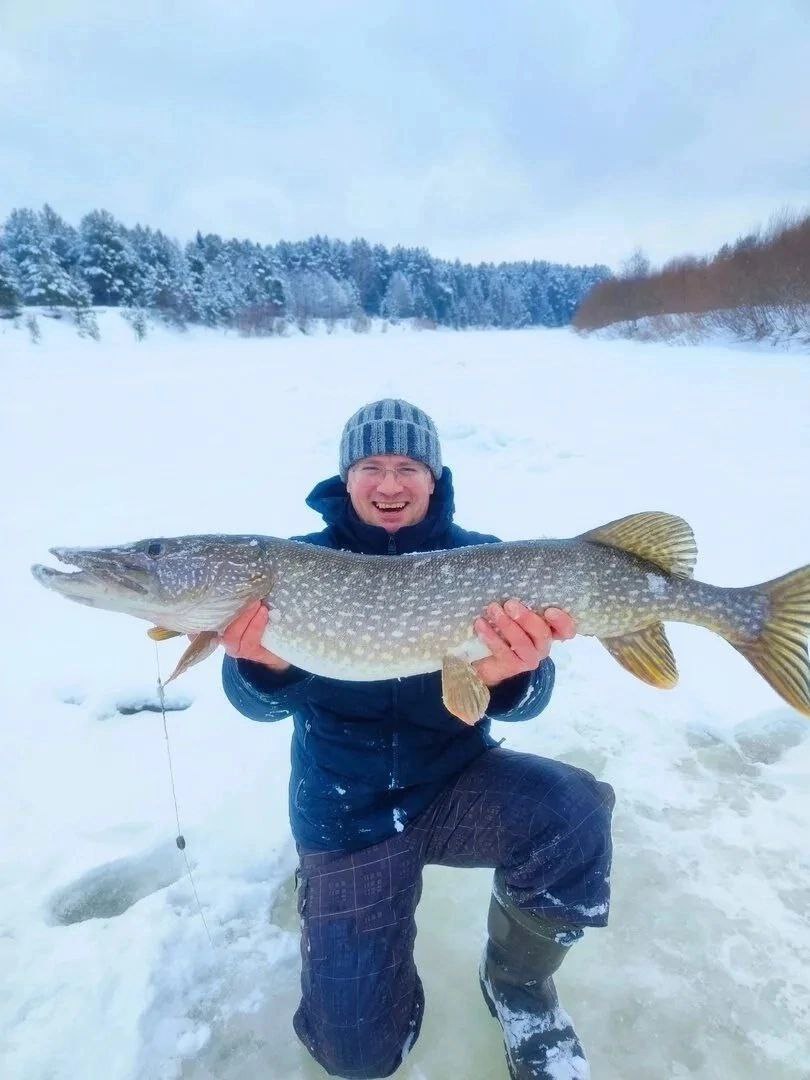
755 288
258 320
86 323
137 319
32 326
360 323
173 318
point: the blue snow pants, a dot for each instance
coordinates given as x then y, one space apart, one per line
544 823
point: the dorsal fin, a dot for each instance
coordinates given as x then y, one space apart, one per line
662 539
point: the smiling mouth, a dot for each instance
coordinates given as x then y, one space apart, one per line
390 508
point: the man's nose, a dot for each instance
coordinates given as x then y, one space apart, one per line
389 482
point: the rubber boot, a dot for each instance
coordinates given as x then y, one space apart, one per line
523 952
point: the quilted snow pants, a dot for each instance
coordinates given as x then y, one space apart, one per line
546 824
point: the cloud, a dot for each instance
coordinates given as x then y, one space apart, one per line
548 131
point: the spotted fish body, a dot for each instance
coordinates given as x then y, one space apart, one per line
366 617
351 616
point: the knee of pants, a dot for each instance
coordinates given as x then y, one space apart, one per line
573 818
584 804
602 801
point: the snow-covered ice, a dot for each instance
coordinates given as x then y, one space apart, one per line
106 967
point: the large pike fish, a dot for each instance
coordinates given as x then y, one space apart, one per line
365 617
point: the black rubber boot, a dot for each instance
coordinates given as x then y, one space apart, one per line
522 954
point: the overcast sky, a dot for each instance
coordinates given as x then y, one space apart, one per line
571 132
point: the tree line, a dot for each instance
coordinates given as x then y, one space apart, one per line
259 289
756 287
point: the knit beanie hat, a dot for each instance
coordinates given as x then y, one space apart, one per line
390 426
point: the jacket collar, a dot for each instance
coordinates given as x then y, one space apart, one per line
331 500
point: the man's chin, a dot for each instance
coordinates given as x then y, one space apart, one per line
390 524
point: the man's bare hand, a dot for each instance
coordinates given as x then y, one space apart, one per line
242 637
518 638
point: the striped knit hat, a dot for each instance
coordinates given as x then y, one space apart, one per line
390 426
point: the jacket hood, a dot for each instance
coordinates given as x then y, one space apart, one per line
331 500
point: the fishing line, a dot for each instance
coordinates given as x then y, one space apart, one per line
180 840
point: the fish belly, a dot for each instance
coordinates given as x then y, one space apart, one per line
353 660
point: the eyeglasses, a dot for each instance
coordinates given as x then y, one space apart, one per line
402 473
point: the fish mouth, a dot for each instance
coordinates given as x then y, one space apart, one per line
101 573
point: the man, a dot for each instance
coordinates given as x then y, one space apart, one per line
385 779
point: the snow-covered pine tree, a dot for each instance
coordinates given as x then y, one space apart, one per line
535 277
215 302
398 300
443 297
363 272
39 275
260 290
63 240
153 266
107 260
10 299
215 287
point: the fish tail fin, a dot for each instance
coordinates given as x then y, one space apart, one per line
780 652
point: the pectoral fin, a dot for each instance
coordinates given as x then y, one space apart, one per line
646 654
202 645
463 692
157 633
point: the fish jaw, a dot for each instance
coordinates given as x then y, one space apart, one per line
188 584
98 582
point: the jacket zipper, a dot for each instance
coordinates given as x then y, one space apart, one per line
395 770
394 738
392 550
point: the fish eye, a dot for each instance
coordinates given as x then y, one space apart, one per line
154 549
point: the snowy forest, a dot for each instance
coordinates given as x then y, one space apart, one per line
262 289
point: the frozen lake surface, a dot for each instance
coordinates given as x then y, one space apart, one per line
704 971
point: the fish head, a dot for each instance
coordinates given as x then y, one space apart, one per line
185 583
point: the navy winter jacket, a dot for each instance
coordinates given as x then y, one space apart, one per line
367 757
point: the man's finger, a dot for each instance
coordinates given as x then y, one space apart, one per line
512 632
563 625
236 627
492 639
252 634
234 632
538 630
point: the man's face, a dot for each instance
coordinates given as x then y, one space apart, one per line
390 490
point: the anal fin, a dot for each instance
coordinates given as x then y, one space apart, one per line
463 692
646 654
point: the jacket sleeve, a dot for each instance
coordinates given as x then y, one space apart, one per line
261 694
524 696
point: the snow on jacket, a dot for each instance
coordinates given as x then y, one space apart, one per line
368 757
